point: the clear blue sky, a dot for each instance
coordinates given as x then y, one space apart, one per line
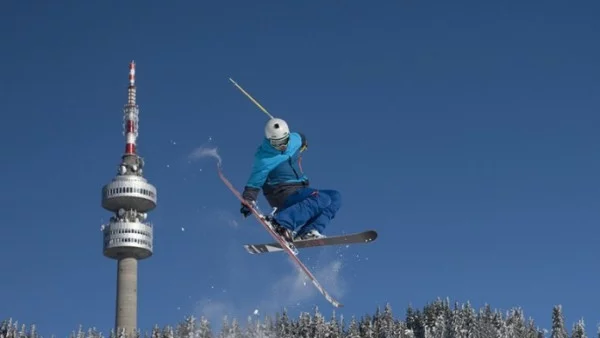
466 133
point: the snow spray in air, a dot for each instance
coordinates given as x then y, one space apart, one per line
204 151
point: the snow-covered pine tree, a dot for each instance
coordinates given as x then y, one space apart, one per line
15 330
385 324
204 329
486 327
317 325
367 329
4 329
252 328
430 314
268 327
236 329
304 329
333 327
23 331
456 322
400 330
414 322
375 321
167 332
224 327
294 328
558 323
533 331
515 323
342 324
469 328
439 328
499 324
353 329
283 327
155 333
121 333
186 328
92 332
408 333
33 331
230 330
80 333
578 330
438 319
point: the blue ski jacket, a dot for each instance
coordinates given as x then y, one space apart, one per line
277 173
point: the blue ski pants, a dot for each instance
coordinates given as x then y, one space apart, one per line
309 209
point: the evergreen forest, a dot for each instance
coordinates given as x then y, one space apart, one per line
438 319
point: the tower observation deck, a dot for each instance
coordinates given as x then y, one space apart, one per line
128 237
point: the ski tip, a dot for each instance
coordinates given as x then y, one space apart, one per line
250 249
335 303
373 235
328 297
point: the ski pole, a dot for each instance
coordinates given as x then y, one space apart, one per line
251 98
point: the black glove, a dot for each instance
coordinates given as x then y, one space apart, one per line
245 211
249 195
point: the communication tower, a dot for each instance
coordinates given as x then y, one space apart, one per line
128 237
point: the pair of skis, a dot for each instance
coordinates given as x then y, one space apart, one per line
292 248
353 238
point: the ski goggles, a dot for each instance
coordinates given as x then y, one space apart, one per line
280 143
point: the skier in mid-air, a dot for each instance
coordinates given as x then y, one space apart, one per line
301 210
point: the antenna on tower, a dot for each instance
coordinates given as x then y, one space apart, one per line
131 114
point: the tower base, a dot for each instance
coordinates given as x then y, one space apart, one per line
127 274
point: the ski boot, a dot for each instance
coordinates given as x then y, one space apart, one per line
282 232
312 234
286 234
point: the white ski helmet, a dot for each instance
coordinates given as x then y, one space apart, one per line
278 132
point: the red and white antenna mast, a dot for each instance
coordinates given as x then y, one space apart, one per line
131 114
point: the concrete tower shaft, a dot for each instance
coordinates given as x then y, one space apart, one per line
128 237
